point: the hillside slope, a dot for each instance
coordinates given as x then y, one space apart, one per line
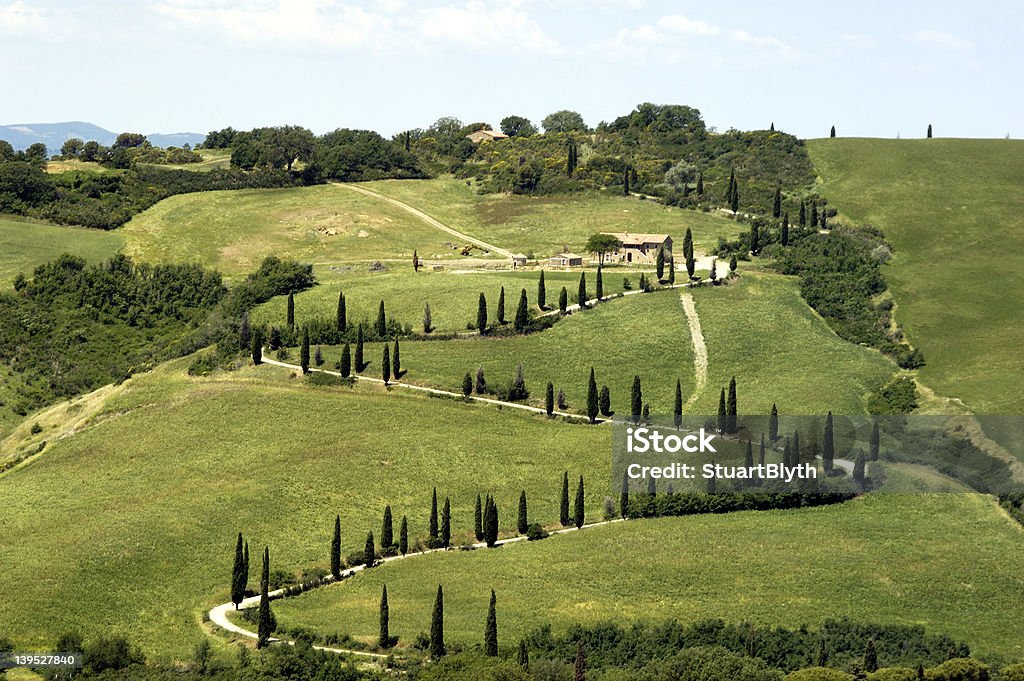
954 211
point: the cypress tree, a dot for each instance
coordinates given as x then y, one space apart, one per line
382 322
256 347
415 261
428 322
580 668
275 338
542 294
369 553
244 333
688 244
491 629
387 530
490 521
814 215
803 214
624 497
920 672
581 292
700 184
859 469
713 276
730 421
304 352
481 314
659 263
732 263
318 356
360 364
578 511
478 520
433 516
748 461
599 294
760 455
523 656
446 524
677 407
777 203
929 131
773 424
832 132
784 232
870 657
403 536
265 622
625 181
722 413
396 362
592 398
647 413
755 238
341 317
522 521
822 652
501 306
828 451
636 401
336 548
563 501
563 300
605 401
734 203
787 453
384 637
672 271
385 365
437 649
481 382
238 574
346 361
518 391
549 399
691 266
522 312
467 385
290 315
875 441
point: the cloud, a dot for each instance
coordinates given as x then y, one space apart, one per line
940 39
858 40
683 25
498 28
17 19
675 36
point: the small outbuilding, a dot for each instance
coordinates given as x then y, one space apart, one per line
566 260
518 259
478 136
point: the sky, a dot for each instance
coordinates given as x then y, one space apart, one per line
879 69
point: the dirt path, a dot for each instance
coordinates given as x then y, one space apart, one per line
429 220
700 350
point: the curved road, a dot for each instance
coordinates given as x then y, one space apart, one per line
430 220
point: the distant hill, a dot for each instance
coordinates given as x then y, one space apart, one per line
53 135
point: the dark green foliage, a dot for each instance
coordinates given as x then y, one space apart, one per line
481 314
542 295
428 322
318 356
624 498
605 401
369 551
581 292
579 672
341 316
732 263
832 132
478 519
360 364
522 521
336 548
899 396
387 530
731 425
563 300
304 352
773 424
784 230
481 382
517 390
522 312
345 365
384 633
501 306
396 361
828 449
381 327
777 203
446 524
929 131
636 399
433 516
592 398
677 406
385 365
563 502
870 657
755 238
266 623
291 312
403 536
437 647
490 521
257 347
523 655
876 440
491 628
599 292
723 418
549 399
578 505
467 385
803 216
859 469
239 576
659 263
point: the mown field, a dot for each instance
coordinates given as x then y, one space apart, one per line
949 562
129 525
234 230
25 244
544 225
954 211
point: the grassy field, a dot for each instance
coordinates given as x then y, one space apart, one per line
63 166
99 536
25 244
954 210
234 230
543 225
757 329
781 567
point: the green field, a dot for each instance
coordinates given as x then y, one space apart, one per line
954 211
25 244
234 230
949 562
543 225
453 296
129 525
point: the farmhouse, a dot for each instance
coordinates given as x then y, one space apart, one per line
478 136
566 260
642 248
519 259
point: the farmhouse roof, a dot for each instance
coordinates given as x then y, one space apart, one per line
629 239
480 135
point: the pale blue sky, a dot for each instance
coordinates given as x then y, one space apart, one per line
871 68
